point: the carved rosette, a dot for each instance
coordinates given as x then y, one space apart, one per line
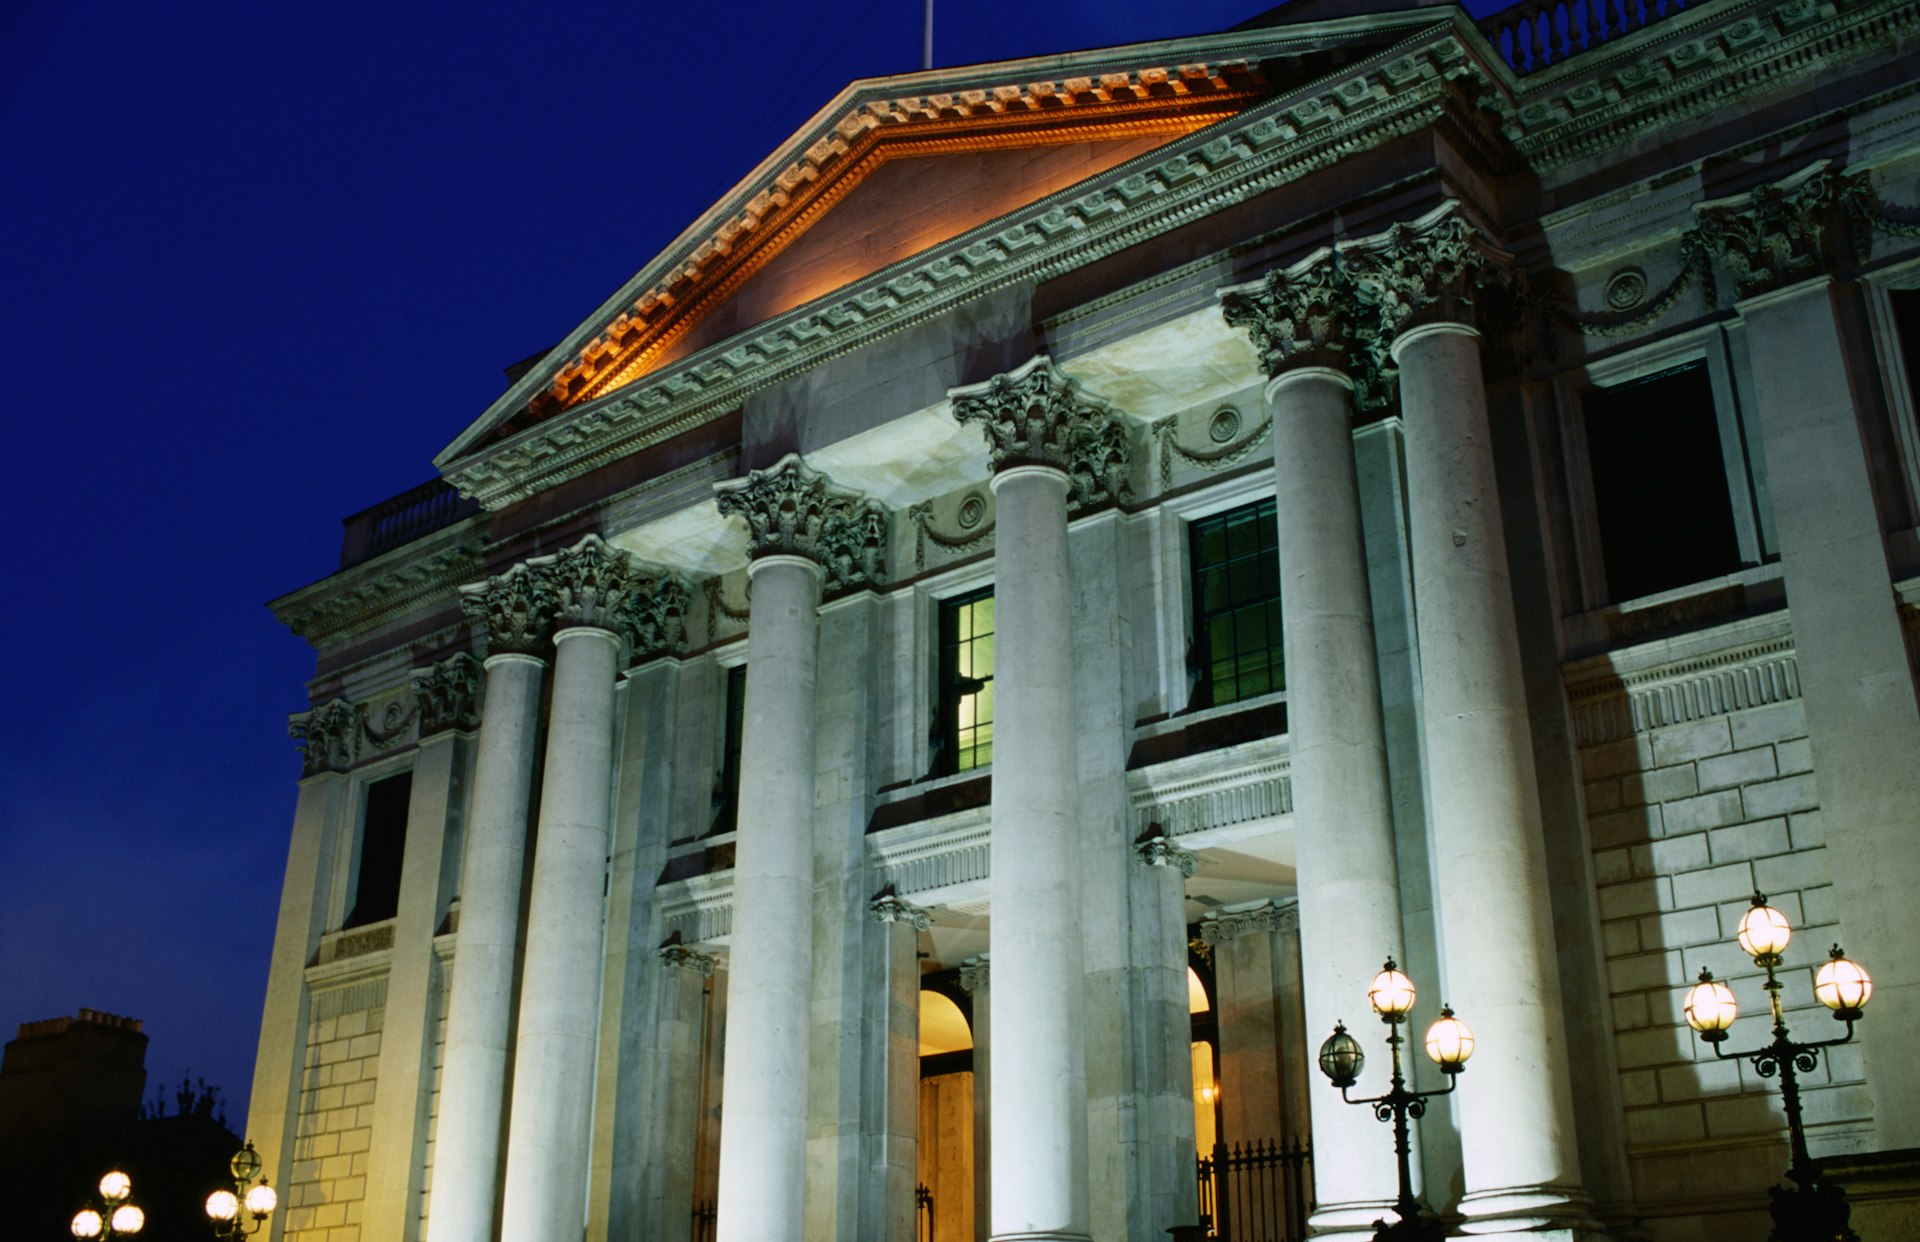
976 972
1159 850
515 611
791 509
1776 234
889 907
653 619
589 583
1036 416
448 695
329 737
680 957
1435 270
1313 314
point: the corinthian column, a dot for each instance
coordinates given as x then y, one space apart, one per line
1303 322
515 613
549 1129
1518 1145
799 530
1044 436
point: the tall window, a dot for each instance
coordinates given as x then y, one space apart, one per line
383 840
726 788
1236 605
1660 483
965 727
1906 325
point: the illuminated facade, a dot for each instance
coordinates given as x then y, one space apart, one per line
925 711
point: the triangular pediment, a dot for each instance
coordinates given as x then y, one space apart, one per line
894 168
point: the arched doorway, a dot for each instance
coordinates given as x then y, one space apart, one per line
946 1121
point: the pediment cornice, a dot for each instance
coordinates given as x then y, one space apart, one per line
1370 101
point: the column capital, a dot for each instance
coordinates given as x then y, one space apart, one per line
1218 927
1158 850
791 509
448 694
888 907
653 618
1312 314
514 610
1037 416
588 583
1435 268
1774 235
676 956
975 972
329 737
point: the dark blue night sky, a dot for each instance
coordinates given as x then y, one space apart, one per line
261 262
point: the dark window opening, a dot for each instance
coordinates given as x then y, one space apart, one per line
383 840
1660 483
1906 326
1236 606
963 733
726 790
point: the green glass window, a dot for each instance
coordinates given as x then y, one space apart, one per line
965 727
726 792
1236 606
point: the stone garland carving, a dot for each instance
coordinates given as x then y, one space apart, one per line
448 694
975 972
589 582
1158 850
793 510
1229 454
921 516
677 956
889 907
1036 416
395 721
515 611
717 606
653 618
329 737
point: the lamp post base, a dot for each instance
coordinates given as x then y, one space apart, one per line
1410 1229
1816 1212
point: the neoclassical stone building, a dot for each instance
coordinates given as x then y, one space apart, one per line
930 704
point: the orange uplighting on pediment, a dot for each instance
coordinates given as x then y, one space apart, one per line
1115 116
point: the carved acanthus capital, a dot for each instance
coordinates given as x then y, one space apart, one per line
888 907
448 694
676 956
1434 270
654 618
1036 416
975 972
1220 927
329 737
1158 850
589 583
1774 235
515 610
793 510
1314 314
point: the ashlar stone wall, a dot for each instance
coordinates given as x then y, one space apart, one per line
334 1129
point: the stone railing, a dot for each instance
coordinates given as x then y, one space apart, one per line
434 505
1535 34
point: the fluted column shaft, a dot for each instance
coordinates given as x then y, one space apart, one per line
553 1076
473 1072
763 1129
1039 1145
1342 808
1515 1104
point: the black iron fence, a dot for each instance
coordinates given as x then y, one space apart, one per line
922 1214
704 1214
1257 1191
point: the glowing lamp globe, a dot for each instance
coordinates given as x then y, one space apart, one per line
1843 986
221 1205
88 1224
1449 1042
1341 1058
1391 993
1710 1008
1764 932
115 1186
261 1200
128 1219
245 1163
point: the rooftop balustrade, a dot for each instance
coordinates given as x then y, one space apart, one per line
1536 34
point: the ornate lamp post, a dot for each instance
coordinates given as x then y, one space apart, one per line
259 1199
1449 1043
1813 1210
113 1216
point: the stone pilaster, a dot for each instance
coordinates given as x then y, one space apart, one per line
513 615
892 1122
1319 334
976 975
549 1129
682 977
1489 853
1040 430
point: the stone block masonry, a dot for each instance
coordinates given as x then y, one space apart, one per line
334 1128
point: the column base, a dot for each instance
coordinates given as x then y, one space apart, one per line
1046 1235
1539 1213
1350 1220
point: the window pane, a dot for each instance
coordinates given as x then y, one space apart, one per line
1236 599
965 709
